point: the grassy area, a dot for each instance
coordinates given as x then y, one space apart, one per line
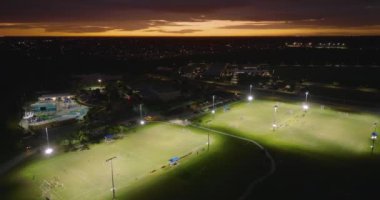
227 169
86 175
322 131
322 155
222 173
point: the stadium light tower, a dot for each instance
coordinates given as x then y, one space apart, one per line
208 141
274 125
100 82
48 150
373 138
213 104
142 122
113 183
305 106
250 96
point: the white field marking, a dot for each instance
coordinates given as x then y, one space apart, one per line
252 185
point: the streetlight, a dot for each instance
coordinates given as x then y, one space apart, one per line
250 96
213 104
113 183
373 138
274 125
142 122
48 150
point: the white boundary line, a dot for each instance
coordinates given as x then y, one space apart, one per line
252 185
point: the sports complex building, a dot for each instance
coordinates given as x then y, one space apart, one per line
51 109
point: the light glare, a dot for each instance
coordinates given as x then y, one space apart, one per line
48 151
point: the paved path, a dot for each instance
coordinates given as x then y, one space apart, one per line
252 185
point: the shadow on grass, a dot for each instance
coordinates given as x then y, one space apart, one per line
309 174
222 173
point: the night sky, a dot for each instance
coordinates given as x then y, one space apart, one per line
189 17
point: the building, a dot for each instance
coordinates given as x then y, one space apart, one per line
56 97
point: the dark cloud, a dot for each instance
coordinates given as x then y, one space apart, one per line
101 15
77 28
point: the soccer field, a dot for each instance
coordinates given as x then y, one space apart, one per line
320 130
86 175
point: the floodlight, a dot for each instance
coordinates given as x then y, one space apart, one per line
305 107
48 150
250 98
142 122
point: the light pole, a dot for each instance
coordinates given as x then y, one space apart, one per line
48 150
100 82
373 138
142 122
274 125
374 126
113 183
208 141
250 96
305 106
213 104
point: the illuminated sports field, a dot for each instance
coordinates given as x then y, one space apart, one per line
322 130
86 175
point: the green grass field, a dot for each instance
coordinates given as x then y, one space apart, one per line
321 131
86 175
